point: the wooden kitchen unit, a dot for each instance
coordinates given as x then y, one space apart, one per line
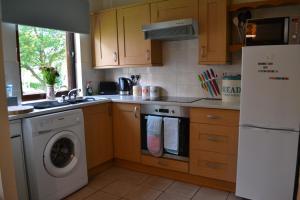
105 39
213 143
174 9
126 131
98 134
213 31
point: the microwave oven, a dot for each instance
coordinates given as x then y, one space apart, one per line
273 31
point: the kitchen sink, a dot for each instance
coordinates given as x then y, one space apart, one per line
53 104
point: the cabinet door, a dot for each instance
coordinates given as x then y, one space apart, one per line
213 31
106 39
127 136
134 49
174 9
98 134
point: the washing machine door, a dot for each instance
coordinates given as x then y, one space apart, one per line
62 153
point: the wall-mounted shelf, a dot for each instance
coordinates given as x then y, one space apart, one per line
259 4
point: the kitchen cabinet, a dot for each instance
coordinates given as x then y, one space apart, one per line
98 134
105 39
127 137
213 28
133 48
213 143
174 9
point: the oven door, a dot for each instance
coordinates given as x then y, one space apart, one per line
269 31
184 131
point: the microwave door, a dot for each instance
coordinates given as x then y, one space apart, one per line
272 31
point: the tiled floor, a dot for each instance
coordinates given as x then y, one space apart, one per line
123 184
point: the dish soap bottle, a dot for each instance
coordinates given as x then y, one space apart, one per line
89 89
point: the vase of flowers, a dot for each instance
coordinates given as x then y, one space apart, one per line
50 75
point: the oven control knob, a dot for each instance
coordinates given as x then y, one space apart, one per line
173 111
156 110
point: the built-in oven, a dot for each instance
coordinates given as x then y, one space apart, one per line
182 114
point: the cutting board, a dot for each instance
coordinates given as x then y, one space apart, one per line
17 110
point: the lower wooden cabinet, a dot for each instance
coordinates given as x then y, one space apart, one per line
98 134
213 143
127 137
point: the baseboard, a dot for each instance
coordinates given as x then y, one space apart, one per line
100 168
184 177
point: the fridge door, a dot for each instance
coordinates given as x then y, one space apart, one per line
266 165
270 87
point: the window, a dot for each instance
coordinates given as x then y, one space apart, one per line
41 47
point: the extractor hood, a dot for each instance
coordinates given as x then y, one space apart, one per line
183 29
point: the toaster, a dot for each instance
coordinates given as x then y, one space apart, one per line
108 88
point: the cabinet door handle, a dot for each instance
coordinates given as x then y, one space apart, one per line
203 51
135 112
148 55
213 117
115 56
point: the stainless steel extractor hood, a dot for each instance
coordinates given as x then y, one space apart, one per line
183 29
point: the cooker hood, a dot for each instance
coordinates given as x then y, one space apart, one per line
183 29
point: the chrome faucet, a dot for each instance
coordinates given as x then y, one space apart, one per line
74 92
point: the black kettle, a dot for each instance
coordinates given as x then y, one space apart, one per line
125 86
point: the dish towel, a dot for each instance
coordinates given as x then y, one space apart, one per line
171 135
154 136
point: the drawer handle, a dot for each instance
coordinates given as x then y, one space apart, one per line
214 165
213 117
215 138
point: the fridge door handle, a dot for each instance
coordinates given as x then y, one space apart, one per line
265 128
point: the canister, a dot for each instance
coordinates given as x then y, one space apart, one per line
231 89
154 92
137 91
146 92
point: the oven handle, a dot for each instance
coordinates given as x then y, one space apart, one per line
146 117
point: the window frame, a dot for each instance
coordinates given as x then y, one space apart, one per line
71 68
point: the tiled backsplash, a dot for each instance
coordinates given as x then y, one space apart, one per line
177 76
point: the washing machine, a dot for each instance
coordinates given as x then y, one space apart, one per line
55 155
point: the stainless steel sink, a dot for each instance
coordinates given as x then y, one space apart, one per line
53 104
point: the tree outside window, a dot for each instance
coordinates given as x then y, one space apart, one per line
41 47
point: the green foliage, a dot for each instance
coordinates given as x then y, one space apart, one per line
50 75
41 48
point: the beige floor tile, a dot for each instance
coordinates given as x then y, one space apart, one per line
182 189
119 188
143 193
233 197
170 196
210 194
102 196
101 181
158 183
81 194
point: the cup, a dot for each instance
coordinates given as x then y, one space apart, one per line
9 90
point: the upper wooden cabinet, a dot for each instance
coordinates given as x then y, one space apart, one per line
126 129
174 9
105 39
133 48
98 134
213 31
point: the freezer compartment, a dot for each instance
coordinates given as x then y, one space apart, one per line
266 166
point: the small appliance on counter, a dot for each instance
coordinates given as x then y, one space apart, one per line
125 86
108 88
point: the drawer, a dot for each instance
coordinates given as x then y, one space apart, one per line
213 165
214 138
165 163
215 116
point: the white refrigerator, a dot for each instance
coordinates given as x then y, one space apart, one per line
269 122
